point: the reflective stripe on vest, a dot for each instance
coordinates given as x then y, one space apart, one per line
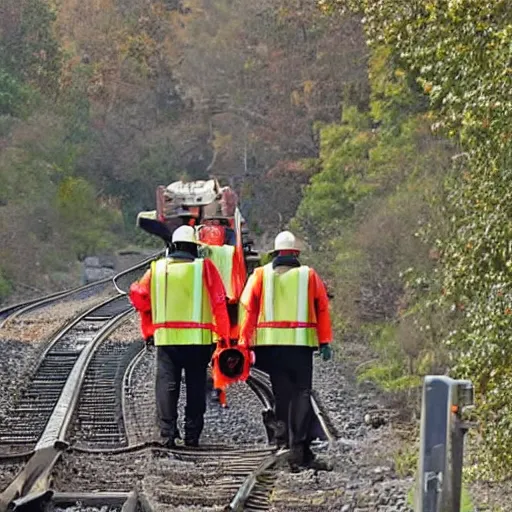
283 318
181 310
222 258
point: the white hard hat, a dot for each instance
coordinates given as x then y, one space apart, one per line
184 234
285 241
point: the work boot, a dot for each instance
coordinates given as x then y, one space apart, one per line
296 459
192 443
310 461
319 465
281 442
215 395
167 439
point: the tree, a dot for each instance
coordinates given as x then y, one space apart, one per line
458 53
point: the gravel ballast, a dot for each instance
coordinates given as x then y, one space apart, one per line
363 478
18 362
240 423
37 326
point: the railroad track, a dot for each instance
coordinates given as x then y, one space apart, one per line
40 421
9 313
83 386
74 358
99 419
23 428
234 478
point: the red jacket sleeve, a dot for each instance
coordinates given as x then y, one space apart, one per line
140 297
217 295
321 305
239 274
250 301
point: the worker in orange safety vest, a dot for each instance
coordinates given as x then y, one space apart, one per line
230 263
182 303
286 318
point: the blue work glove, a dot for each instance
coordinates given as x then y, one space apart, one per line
326 351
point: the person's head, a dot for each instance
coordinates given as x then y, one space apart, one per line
285 244
184 239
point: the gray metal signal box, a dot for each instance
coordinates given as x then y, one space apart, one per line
441 444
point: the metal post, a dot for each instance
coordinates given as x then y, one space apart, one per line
441 444
463 398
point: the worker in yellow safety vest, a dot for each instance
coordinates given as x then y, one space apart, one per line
286 318
182 303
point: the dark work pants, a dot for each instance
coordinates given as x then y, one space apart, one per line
171 361
291 372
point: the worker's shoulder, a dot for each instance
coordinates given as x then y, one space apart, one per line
313 274
258 272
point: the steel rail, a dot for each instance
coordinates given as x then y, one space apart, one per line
257 382
140 265
319 415
40 372
58 425
69 325
31 484
127 387
90 499
247 487
22 308
5 311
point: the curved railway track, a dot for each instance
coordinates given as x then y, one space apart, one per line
40 422
99 420
25 425
9 313
82 393
38 425
243 478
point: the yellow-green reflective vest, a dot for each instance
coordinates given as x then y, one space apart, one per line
222 258
284 311
180 305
